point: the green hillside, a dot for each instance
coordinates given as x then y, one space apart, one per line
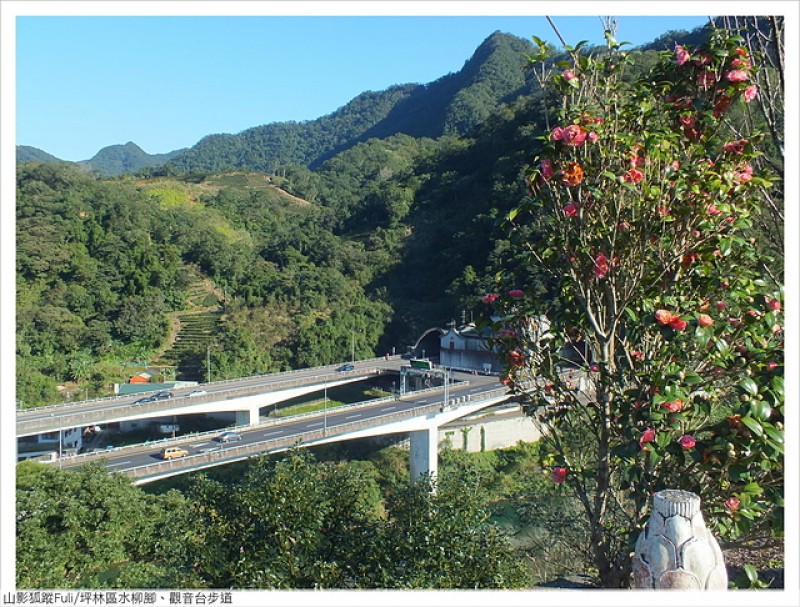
453 104
27 153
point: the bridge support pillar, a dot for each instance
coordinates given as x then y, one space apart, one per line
243 418
424 452
248 417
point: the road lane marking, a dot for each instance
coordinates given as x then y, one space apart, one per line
315 424
119 463
273 432
388 408
352 416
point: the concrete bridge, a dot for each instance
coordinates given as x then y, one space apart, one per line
419 414
245 396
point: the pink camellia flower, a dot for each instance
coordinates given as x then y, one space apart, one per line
681 55
516 358
773 304
602 265
721 305
648 436
574 135
737 76
594 368
489 298
704 320
733 503
712 210
703 59
558 475
687 441
637 355
742 174
741 64
706 80
772 365
573 174
546 168
750 93
593 137
741 51
633 176
664 317
687 120
676 324
557 134
570 210
568 75
636 159
735 147
673 406
516 293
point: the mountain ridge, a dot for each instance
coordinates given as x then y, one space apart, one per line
453 104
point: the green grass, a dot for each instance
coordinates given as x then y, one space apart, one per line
309 407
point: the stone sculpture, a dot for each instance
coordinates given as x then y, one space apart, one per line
676 550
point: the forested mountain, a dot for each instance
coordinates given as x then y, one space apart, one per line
27 153
119 159
111 161
453 104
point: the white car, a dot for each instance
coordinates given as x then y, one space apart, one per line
197 393
227 437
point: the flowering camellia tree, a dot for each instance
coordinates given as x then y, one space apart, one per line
639 224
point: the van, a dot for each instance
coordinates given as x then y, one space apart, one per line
173 452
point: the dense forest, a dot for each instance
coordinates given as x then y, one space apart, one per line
337 519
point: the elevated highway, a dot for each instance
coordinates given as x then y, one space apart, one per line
247 394
418 413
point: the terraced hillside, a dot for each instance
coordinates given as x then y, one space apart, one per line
188 351
193 331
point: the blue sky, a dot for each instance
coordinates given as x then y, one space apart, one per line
85 82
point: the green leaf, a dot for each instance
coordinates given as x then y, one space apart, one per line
749 386
760 410
777 386
775 434
753 425
753 488
692 379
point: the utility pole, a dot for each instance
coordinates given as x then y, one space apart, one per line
208 362
325 412
446 378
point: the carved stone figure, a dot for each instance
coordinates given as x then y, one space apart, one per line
676 549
